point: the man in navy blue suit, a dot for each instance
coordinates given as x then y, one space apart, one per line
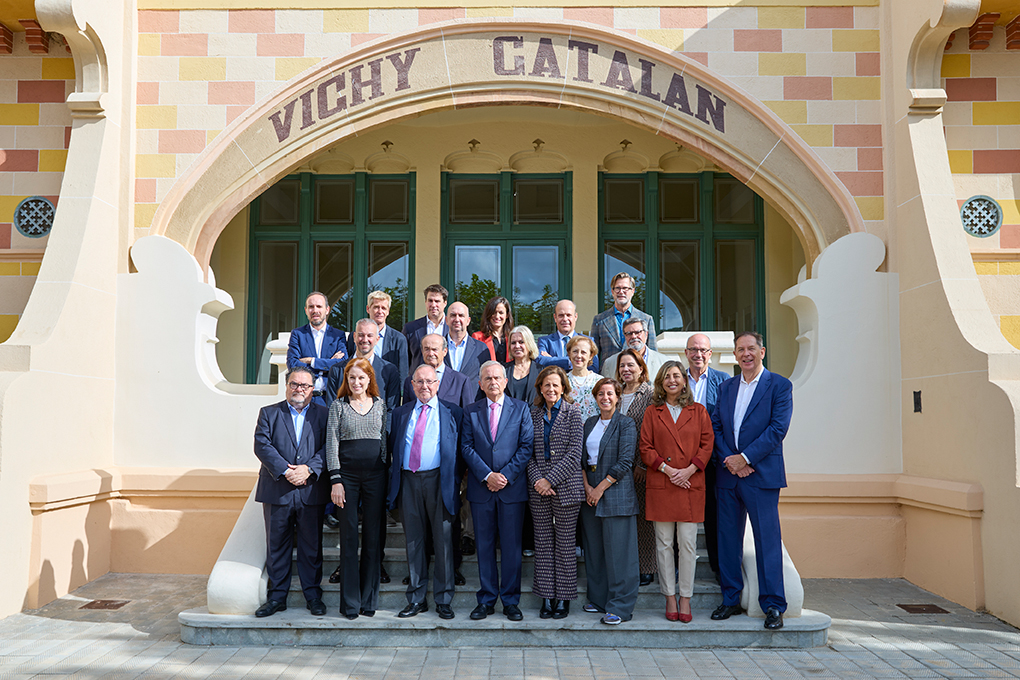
454 386
552 348
497 439
317 344
434 321
424 482
364 341
751 418
293 489
704 382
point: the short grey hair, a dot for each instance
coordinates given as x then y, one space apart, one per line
633 320
363 322
490 362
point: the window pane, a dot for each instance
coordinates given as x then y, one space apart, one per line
474 201
476 278
536 286
277 301
678 199
279 204
679 286
334 276
625 200
736 297
734 202
625 256
388 201
538 200
334 201
387 271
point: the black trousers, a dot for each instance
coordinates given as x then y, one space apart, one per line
359 579
287 524
424 515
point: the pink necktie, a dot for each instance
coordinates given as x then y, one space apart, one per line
419 434
493 420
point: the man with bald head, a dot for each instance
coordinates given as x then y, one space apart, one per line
454 386
552 348
464 353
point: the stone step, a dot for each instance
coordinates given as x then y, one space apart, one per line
648 629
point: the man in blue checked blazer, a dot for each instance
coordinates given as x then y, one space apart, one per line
607 327
317 345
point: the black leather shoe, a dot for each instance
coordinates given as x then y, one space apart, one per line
270 608
368 612
445 611
335 576
458 578
646 579
383 576
350 617
331 521
467 546
406 580
546 611
513 612
481 611
562 609
414 609
773 618
317 607
725 611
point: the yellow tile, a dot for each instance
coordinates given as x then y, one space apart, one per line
1009 269
156 165
202 68
58 69
30 268
8 204
52 160
986 268
871 207
815 135
156 117
782 64
961 162
10 269
855 40
345 21
19 114
1010 211
996 113
856 88
143 215
8 322
288 67
482 12
670 38
1010 327
780 17
956 65
149 45
791 112
210 135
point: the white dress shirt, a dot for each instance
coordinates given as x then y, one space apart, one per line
745 392
318 336
456 351
435 329
591 444
699 387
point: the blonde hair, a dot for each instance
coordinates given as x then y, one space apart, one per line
379 295
593 350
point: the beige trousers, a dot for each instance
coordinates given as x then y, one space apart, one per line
686 541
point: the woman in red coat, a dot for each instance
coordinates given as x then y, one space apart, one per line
497 321
676 445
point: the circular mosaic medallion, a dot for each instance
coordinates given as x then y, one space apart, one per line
981 216
34 217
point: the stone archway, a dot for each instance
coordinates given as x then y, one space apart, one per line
501 62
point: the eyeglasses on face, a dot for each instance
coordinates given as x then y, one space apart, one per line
699 350
299 387
430 383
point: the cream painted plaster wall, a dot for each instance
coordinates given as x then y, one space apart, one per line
229 263
783 260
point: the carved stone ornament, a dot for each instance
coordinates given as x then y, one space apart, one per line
333 162
683 160
474 160
625 160
387 162
539 159
924 62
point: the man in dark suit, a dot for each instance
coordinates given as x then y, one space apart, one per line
464 353
751 418
454 386
434 321
293 489
365 340
392 345
607 327
317 344
497 439
704 382
552 348
424 482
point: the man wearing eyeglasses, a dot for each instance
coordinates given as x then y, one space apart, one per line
636 335
289 441
607 327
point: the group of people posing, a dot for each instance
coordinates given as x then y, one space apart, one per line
599 436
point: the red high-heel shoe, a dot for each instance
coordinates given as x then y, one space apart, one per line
672 616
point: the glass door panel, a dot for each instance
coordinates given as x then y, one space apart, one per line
536 283
277 309
679 286
735 285
625 256
387 271
477 277
334 276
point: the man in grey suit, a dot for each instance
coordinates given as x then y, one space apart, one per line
636 334
607 327
293 489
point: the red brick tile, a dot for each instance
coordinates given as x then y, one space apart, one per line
757 40
431 16
988 161
181 141
857 135
158 21
231 93
829 17
807 87
1009 236
603 16
19 160
970 89
5 236
359 38
862 183
683 17
869 64
280 45
869 159
184 45
233 112
700 57
632 31
147 93
145 191
67 137
252 21
41 91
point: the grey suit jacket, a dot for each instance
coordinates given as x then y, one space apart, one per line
607 336
617 451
